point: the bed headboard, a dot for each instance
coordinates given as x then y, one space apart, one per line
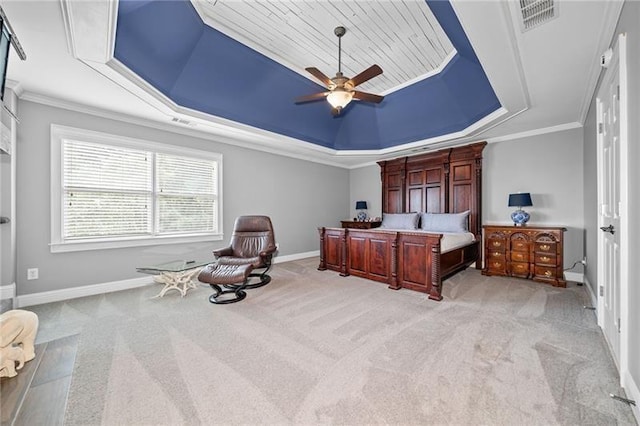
444 181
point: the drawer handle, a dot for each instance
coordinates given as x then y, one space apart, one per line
519 266
497 253
547 273
497 243
545 247
544 258
496 264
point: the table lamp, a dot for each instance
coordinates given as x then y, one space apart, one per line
521 199
362 206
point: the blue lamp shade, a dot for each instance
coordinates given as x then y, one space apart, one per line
520 217
361 205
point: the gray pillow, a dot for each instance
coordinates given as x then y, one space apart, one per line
400 220
445 222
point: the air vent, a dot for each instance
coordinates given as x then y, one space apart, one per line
537 12
183 121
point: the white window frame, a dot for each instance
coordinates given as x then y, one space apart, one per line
58 244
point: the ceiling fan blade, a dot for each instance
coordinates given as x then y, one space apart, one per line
311 98
365 75
319 75
367 97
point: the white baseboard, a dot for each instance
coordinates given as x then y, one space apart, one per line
576 277
592 294
90 290
87 290
633 392
8 291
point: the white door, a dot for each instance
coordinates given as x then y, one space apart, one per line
5 213
609 203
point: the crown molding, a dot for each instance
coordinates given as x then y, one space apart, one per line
15 86
536 132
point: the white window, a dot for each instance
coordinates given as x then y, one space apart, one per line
110 191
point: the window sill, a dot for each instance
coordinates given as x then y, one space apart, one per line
101 244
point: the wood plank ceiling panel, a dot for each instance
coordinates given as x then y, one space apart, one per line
402 36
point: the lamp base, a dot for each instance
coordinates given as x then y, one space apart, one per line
520 217
362 216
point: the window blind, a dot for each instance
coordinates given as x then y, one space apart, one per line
186 194
112 191
107 191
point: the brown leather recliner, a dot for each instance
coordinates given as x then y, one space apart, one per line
252 243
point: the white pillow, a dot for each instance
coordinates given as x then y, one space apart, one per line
445 222
400 220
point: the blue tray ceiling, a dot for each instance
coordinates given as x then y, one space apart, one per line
167 44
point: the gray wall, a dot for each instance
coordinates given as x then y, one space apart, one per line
548 166
298 195
365 184
629 23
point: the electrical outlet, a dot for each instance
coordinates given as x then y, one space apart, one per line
32 273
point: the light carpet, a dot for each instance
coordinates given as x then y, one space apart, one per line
316 348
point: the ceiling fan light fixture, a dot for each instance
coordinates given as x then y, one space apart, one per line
339 98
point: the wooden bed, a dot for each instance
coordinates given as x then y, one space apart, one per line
445 181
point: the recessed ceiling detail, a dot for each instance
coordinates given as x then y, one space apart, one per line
299 34
200 68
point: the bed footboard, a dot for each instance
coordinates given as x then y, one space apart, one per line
400 259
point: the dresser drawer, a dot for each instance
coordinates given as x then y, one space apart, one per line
544 247
519 245
520 256
496 245
497 266
545 259
519 269
545 272
496 255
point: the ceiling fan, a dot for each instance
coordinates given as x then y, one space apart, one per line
340 88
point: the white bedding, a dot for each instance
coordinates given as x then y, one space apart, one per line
449 241
453 240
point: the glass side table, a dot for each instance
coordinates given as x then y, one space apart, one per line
176 275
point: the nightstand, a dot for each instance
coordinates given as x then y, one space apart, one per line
359 225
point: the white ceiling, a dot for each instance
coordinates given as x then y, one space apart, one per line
544 77
300 34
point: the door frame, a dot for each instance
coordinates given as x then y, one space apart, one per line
623 362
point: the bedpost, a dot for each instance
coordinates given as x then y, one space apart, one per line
478 230
435 293
323 264
393 285
446 169
343 250
383 171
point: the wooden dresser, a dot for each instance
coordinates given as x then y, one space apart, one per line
359 224
531 252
